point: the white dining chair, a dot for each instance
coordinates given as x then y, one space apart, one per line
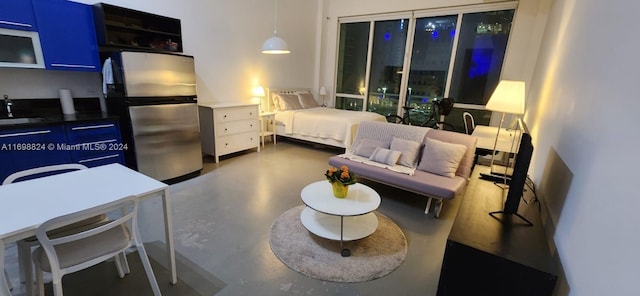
25 245
72 252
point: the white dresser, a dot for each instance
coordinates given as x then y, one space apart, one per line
229 127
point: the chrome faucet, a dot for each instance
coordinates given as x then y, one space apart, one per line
8 103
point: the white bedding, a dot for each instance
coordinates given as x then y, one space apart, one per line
324 123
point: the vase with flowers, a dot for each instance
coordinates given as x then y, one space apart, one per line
340 179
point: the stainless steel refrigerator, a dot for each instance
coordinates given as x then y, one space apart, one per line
155 96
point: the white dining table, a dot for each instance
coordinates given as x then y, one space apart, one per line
27 204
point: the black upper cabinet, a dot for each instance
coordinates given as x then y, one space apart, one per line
123 28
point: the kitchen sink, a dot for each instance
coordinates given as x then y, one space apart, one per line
20 120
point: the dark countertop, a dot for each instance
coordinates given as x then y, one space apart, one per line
48 112
48 120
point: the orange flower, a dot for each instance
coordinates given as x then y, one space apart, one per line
341 175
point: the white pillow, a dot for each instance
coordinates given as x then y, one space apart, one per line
367 146
441 158
385 156
307 100
276 101
284 102
409 149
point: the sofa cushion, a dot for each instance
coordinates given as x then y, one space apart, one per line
366 146
420 182
441 158
464 169
385 156
409 149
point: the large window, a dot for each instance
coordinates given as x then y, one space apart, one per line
431 55
389 39
481 48
456 55
352 65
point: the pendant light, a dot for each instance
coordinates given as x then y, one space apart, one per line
275 44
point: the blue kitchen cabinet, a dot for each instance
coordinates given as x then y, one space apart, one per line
91 143
95 143
17 14
31 147
67 34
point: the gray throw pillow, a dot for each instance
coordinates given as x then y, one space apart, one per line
386 156
366 146
441 158
409 149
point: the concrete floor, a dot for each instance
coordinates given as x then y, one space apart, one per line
221 228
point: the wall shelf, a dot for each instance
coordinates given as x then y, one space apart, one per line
124 28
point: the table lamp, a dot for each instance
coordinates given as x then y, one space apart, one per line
323 92
508 97
258 93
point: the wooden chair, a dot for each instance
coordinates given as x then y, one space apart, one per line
72 252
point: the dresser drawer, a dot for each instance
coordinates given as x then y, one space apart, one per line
237 142
235 127
235 113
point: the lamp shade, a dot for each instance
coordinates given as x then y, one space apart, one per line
508 97
322 91
275 45
258 91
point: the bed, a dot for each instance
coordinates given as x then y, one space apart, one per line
299 116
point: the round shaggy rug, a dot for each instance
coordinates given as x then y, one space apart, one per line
372 257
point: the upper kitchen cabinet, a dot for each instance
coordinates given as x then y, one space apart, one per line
67 35
17 14
123 28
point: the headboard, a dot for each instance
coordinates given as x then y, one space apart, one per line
270 91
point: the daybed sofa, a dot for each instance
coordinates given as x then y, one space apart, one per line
429 162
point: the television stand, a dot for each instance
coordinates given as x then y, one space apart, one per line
493 214
486 256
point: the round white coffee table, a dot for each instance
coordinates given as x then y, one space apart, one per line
343 219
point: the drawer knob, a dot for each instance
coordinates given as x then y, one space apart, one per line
226 129
225 116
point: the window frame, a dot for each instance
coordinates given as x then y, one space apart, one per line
413 15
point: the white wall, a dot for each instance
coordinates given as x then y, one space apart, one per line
39 83
585 108
225 36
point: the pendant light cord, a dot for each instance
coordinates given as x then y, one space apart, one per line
275 18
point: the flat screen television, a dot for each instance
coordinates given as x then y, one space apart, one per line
518 178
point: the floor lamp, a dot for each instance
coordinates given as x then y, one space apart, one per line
508 97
